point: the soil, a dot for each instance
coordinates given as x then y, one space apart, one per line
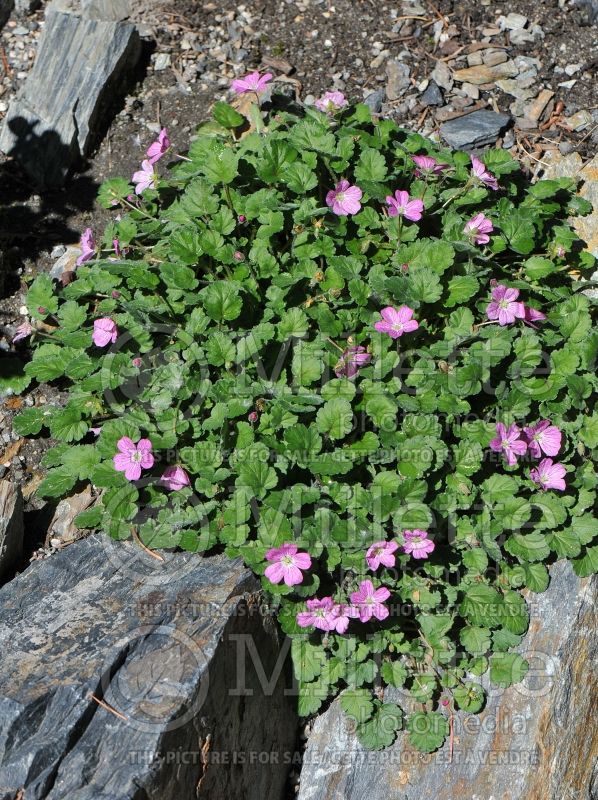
317 44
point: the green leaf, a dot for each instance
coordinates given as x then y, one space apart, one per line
31 421
469 696
528 546
380 731
507 668
335 418
67 425
371 166
537 267
226 115
461 288
587 563
475 640
394 673
90 518
221 301
221 166
113 191
57 482
41 299
293 323
357 704
427 730
483 606
257 476
80 460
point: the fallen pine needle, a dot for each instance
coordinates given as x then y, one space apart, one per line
151 553
108 707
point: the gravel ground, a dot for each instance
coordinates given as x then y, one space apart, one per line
407 59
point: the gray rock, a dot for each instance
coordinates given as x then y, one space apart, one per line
432 96
374 101
398 79
11 527
174 647
162 61
115 10
443 76
57 251
531 741
55 119
6 6
27 6
478 129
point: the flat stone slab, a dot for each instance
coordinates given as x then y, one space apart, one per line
478 129
166 646
81 64
534 741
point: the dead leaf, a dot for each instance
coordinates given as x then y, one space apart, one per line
31 487
13 403
279 64
11 451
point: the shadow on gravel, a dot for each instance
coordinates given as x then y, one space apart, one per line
33 219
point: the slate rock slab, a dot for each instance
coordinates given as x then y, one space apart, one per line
81 64
11 527
6 6
534 741
174 647
478 129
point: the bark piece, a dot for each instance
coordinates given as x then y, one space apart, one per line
11 527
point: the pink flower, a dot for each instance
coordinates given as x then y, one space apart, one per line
175 478
23 331
549 475
104 332
137 362
241 219
426 165
396 321
504 306
87 245
331 102
342 614
479 171
120 252
132 457
253 82
157 149
351 360
478 229
532 315
344 199
509 443
96 431
370 601
320 614
145 178
417 543
381 553
543 438
287 565
402 206
253 417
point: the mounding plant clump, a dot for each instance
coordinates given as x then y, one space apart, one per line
363 363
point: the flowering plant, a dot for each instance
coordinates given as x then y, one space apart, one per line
359 361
